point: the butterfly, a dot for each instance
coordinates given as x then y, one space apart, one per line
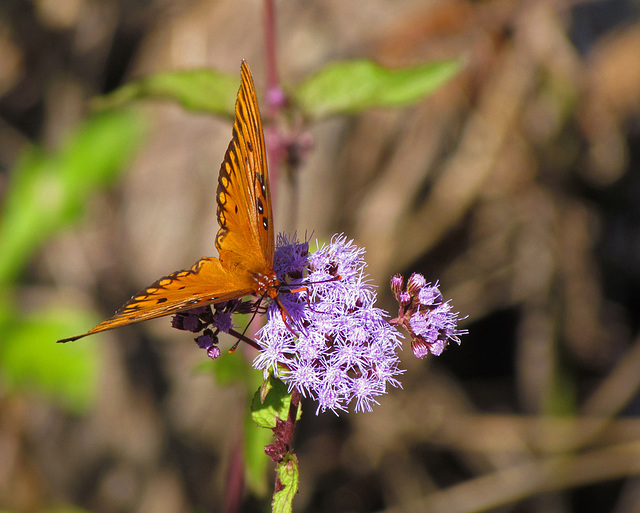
245 240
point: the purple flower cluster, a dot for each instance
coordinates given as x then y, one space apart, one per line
428 319
211 321
332 344
324 337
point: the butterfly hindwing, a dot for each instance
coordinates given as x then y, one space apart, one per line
243 189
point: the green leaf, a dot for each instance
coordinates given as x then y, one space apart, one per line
205 90
50 191
233 368
287 484
31 361
265 388
352 86
256 461
275 405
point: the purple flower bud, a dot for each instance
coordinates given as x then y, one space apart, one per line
191 320
438 346
426 317
418 324
206 340
428 295
213 352
404 298
222 321
397 282
276 97
415 283
419 347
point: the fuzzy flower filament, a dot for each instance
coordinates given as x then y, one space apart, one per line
344 351
324 337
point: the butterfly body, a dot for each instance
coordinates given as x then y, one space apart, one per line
245 240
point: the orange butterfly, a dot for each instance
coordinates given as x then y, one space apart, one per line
244 241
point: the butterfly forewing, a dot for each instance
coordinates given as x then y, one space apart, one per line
244 241
243 189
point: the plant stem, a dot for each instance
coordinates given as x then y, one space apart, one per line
270 55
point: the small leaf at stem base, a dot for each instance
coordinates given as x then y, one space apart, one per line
286 485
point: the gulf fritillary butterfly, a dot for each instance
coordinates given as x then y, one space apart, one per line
244 241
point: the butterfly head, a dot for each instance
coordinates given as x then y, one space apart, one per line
266 283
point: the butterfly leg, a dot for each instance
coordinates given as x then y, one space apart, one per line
306 289
286 317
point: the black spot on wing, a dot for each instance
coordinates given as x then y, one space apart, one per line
260 178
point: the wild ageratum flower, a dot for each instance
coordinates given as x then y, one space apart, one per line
423 313
324 337
332 344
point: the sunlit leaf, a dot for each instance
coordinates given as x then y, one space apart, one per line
287 473
275 405
230 369
30 360
204 90
49 191
256 461
352 86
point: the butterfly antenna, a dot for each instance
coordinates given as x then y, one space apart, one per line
242 336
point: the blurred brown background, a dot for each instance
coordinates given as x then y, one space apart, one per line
517 185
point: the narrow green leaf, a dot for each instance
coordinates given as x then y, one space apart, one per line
287 484
31 361
235 369
256 438
232 369
352 86
275 405
50 191
204 90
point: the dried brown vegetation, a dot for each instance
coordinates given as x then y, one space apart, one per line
515 185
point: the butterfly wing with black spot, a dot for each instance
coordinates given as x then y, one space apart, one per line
207 282
244 241
245 238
